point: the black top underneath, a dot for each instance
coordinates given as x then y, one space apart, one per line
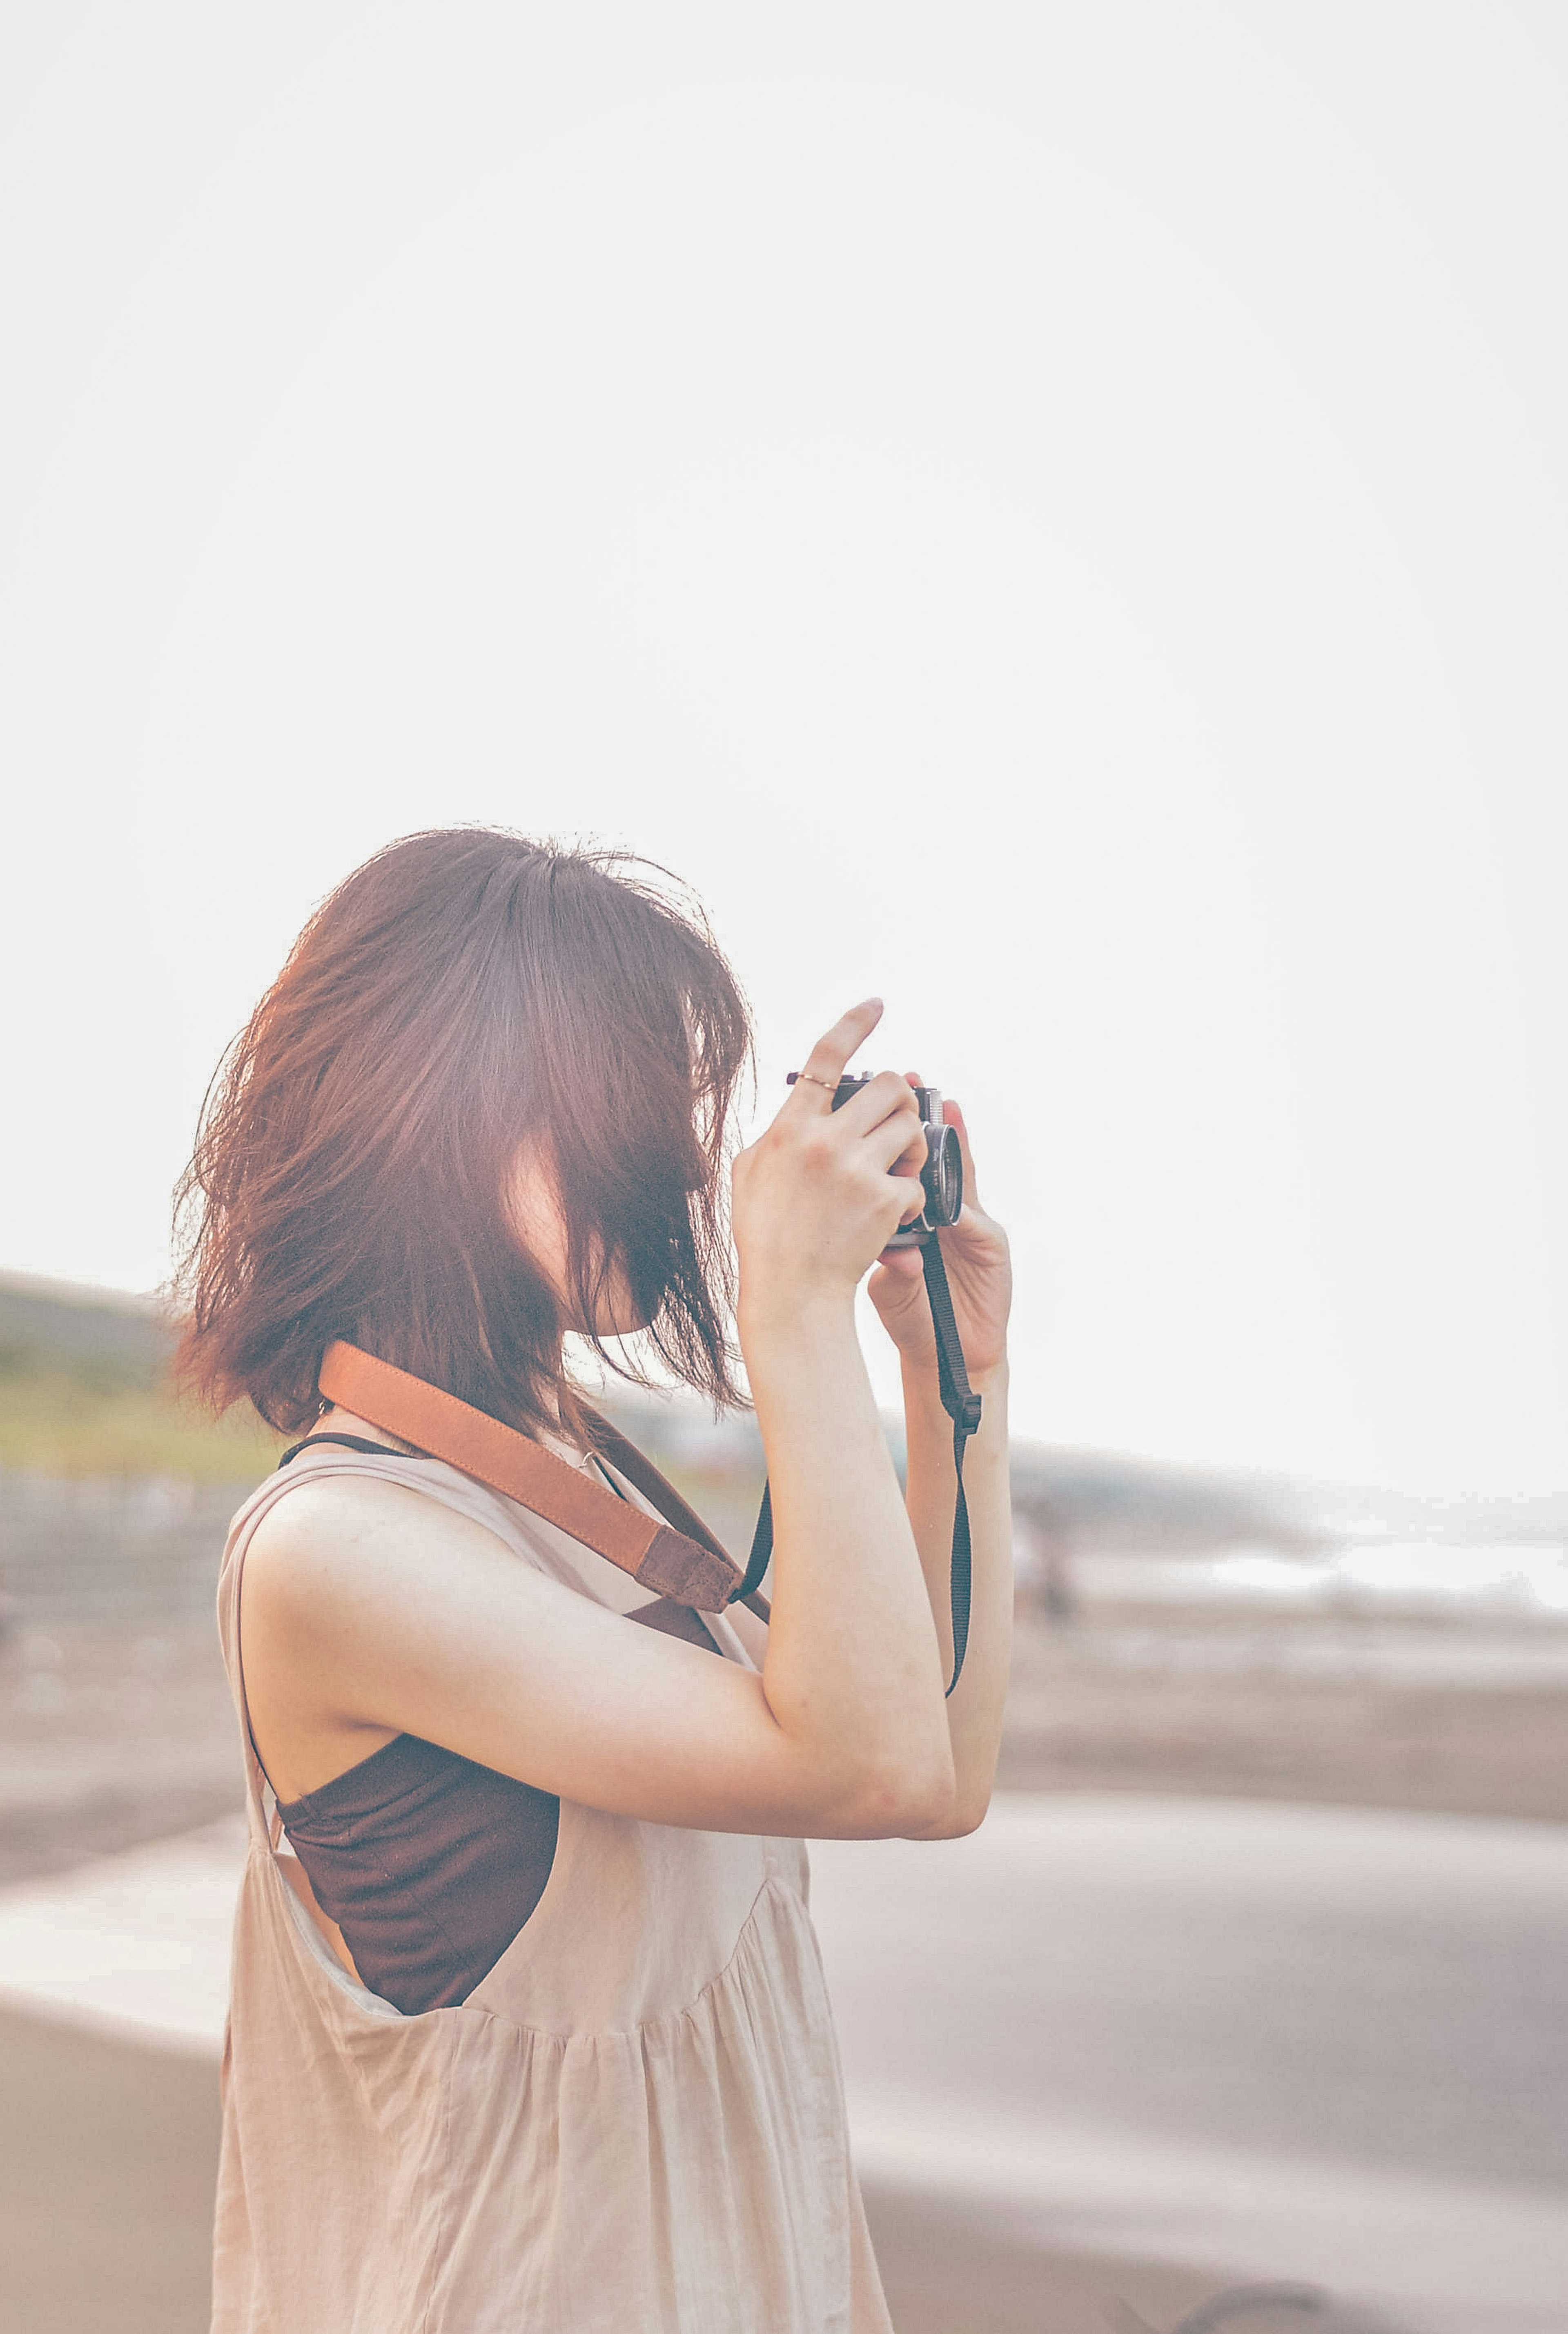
429 1863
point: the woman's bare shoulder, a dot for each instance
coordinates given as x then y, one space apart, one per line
340 1535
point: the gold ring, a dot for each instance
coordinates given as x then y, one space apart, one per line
810 1078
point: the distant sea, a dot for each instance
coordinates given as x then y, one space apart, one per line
1377 1578
1390 1613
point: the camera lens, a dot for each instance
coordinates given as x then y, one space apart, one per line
944 1175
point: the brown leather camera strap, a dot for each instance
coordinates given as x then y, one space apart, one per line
680 1559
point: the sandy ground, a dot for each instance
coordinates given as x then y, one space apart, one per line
105 1742
1312 2043
1359 1712
106 2146
108 2155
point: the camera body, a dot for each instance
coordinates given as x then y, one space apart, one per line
942 1176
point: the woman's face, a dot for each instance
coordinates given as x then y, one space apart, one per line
539 1220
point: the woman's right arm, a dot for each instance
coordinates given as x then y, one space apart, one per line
371 1609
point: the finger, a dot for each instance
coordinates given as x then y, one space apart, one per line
901 1263
914 1202
826 1062
898 1143
887 1100
954 1115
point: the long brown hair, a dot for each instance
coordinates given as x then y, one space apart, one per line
464 993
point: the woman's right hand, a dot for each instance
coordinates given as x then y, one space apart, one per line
820 1194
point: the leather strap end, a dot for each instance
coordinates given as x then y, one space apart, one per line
674 1566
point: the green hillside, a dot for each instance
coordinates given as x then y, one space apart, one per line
84 1390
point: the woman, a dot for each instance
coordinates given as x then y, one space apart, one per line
528 2028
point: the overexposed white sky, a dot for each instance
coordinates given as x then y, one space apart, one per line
1056 513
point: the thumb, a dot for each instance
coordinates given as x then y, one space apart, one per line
953 1112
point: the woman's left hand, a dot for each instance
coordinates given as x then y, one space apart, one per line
980 1274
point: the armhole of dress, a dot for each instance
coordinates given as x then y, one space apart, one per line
321 1934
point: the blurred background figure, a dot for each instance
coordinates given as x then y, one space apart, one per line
1076 494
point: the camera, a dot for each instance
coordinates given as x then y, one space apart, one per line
942 1176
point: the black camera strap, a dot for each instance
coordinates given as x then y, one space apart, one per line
962 1405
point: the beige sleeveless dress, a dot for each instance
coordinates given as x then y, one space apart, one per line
635 2123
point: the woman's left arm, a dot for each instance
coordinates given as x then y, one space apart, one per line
980 1274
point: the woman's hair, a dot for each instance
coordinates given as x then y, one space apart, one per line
467 996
